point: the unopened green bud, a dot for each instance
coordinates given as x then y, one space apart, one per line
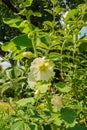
31 35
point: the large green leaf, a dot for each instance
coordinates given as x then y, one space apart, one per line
78 127
22 40
68 115
23 25
19 41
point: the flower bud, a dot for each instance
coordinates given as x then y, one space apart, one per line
31 35
27 54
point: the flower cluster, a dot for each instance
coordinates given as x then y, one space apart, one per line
40 70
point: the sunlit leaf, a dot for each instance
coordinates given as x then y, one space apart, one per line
71 14
8 46
23 25
62 87
28 3
18 125
4 88
49 11
12 22
24 101
42 87
42 45
38 14
18 57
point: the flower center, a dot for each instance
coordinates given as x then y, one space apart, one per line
43 66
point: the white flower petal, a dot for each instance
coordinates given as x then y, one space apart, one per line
31 80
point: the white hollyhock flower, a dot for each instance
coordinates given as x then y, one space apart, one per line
57 101
41 70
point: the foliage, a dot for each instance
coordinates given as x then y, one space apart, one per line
60 102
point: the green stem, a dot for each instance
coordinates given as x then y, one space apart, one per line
48 102
34 47
74 66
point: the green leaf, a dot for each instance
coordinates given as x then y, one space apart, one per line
62 87
17 71
12 22
2 81
18 41
18 125
4 88
56 119
26 127
68 115
71 14
19 56
28 3
83 45
42 45
23 25
49 11
38 14
33 126
47 127
24 101
78 127
13 72
42 87
48 25
22 40
8 46
10 73
45 39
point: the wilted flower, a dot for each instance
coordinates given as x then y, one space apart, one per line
57 101
40 70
